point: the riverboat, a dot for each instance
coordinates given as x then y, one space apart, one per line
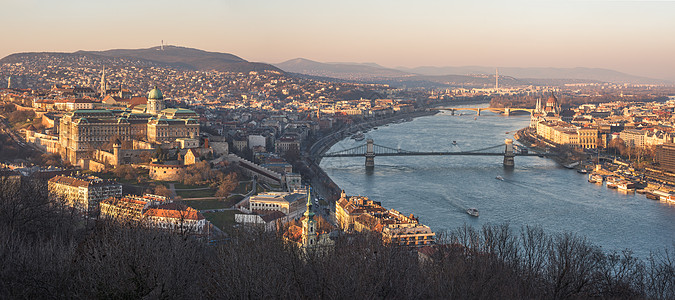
472 212
358 136
663 196
612 182
595 178
499 177
650 195
582 171
626 186
454 142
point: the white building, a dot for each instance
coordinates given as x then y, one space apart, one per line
287 203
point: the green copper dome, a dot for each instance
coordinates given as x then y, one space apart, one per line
155 94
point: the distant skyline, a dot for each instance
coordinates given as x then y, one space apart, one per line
635 37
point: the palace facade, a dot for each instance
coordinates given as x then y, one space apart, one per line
85 130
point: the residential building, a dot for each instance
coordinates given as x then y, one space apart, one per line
82 193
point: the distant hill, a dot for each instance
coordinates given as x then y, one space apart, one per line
538 74
470 76
346 71
172 56
189 58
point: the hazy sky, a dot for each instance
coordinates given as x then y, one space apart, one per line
636 37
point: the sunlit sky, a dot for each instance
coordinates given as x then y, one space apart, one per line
637 37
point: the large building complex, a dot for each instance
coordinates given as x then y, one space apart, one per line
155 211
357 213
83 131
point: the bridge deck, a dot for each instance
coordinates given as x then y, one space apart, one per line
437 154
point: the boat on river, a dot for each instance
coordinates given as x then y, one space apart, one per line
359 136
626 186
612 182
595 178
472 212
499 177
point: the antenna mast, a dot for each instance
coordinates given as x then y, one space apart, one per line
496 79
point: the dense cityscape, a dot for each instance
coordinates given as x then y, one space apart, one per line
337 150
214 155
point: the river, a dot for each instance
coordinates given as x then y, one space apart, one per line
537 191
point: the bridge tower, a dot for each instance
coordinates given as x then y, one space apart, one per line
508 154
507 111
370 154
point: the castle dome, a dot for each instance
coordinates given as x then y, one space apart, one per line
156 94
552 100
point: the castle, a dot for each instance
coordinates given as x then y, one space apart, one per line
83 131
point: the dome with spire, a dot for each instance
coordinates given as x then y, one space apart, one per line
156 94
552 101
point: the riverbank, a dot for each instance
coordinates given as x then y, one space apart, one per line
322 183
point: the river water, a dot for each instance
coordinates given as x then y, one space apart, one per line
537 191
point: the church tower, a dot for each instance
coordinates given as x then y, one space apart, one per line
155 102
308 225
9 82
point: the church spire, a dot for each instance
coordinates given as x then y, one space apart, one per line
308 212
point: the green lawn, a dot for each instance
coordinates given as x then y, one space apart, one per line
197 193
223 220
209 204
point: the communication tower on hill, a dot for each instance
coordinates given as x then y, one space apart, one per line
496 79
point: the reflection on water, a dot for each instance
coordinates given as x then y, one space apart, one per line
438 189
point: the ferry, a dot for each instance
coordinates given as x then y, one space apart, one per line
663 196
595 178
626 186
612 182
358 136
472 212
651 195
582 171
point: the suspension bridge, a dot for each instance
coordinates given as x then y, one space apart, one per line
369 150
505 111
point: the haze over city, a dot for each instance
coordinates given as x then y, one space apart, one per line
635 37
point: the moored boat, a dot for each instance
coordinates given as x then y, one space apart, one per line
595 178
661 195
650 195
612 182
472 212
626 186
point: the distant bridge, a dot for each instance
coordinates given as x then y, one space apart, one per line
506 111
370 150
